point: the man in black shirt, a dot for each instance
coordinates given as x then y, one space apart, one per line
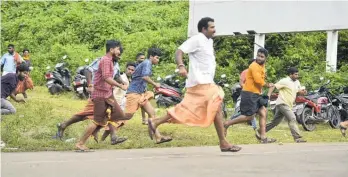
8 87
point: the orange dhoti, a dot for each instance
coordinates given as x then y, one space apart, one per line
199 106
24 85
135 101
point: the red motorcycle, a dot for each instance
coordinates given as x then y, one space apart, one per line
169 93
317 108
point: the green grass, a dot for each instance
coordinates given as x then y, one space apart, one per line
34 124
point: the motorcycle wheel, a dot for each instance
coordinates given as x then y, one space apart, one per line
334 117
307 112
54 89
81 96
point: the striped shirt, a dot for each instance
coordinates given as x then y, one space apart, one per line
105 70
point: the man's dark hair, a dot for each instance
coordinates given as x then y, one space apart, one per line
263 51
292 70
130 64
153 52
26 50
11 45
23 67
139 54
110 44
203 23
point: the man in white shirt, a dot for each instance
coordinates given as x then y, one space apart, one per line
289 88
201 105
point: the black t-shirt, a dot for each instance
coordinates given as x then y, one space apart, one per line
8 84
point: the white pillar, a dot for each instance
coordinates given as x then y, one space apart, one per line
259 39
331 51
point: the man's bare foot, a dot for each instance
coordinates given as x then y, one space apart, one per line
81 147
227 147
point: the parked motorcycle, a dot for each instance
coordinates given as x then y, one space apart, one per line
341 102
80 82
170 92
316 108
59 79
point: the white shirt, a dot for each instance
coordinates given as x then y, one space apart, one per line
287 91
202 63
119 94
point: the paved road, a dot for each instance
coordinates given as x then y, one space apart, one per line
288 160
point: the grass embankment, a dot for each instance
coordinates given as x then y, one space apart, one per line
34 124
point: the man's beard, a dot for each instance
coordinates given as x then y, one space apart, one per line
10 52
260 62
115 58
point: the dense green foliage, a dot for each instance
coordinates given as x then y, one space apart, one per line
80 29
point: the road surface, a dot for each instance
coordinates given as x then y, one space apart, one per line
270 160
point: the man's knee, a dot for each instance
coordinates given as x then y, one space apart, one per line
12 110
249 118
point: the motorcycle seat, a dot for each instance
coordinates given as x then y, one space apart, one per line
171 88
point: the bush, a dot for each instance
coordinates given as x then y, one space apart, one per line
80 29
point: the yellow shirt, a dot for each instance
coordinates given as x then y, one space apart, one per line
287 91
255 78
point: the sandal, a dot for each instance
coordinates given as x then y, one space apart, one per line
267 140
164 140
118 141
299 140
343 130
233 148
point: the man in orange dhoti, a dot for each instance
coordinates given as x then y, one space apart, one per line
201 105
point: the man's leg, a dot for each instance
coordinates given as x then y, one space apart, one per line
291 118
277 118
262 122
100 106
7 107
90 129
238 120
148 108
219 127
156 122
143 116
113 137
62 126
87 111
253 123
